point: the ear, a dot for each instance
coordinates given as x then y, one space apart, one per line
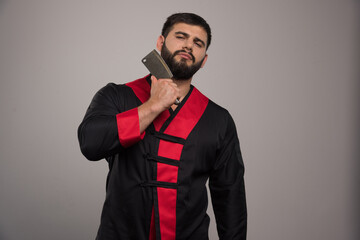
160 42
203 63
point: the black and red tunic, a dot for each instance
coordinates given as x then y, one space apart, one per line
156 181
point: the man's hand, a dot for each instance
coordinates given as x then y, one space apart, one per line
163 94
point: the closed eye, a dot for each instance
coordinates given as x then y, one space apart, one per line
181 35
198 44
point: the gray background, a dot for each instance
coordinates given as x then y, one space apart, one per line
286 70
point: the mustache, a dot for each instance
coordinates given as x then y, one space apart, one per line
183 51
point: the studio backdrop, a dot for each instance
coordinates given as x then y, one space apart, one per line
287 71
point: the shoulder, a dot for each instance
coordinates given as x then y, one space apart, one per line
116 92
113 88
218 113
219 120
111 93
215 114
213 109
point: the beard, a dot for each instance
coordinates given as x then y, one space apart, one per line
180 69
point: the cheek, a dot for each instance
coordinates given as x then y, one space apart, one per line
172 45
199 56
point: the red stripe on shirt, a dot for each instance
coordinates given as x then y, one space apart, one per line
180 126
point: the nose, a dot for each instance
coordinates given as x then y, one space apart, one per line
188 45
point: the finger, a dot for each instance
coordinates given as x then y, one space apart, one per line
174 85
167 80
154 79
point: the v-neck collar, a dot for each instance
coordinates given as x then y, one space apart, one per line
173 113
186 114
177 109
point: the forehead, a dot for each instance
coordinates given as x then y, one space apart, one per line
192 30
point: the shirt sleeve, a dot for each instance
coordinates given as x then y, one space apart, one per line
227 187
129 127
108 127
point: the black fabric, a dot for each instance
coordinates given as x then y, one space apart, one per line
211 152
159 184
168 137
163 160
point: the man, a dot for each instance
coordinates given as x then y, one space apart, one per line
161 154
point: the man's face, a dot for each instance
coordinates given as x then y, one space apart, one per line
184 50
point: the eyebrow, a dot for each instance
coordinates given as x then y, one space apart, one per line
196 39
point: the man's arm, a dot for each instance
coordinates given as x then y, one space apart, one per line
106 129
227 188
163 94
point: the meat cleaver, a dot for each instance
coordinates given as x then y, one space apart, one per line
156 65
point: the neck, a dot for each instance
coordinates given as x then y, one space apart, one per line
184 86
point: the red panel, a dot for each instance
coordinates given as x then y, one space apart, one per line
128 127
141 88
181 126
170 150
159 121
188 116
167 212
167 173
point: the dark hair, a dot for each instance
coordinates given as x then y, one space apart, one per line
188 18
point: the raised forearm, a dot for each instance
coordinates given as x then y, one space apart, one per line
163 94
